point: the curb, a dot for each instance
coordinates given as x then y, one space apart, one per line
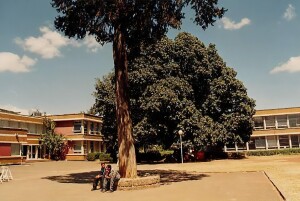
280 193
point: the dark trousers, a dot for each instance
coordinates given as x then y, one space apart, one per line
98 178
110 183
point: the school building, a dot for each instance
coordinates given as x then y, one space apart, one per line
273 129
20 136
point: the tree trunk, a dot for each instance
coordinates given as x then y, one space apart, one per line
127 158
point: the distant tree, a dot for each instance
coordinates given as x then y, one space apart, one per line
53 142
181 84
128 24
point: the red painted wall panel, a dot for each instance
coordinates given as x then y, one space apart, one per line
5 149
64 127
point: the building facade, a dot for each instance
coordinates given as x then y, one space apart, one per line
82 133
273 129
20 136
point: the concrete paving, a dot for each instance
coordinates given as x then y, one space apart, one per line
67 180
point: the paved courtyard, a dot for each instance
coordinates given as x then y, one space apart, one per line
245 180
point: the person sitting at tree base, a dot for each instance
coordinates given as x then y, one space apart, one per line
99 177
110 179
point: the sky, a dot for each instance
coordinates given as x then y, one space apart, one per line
41 69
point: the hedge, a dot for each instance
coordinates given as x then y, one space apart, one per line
273 152
98 155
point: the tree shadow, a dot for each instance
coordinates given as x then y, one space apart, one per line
171 176
166 176
76 178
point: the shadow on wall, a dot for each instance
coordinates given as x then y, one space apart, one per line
166 176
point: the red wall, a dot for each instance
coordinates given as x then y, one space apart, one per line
64 127
5 149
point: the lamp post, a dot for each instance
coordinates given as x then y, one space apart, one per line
180 133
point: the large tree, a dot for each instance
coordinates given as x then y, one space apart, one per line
128 24
182 84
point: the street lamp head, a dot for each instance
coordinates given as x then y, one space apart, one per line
180 132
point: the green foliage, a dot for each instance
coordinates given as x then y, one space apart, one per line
236 155
150 156
182 84
105 157
91 156
273 152
99 155
53 142
141 21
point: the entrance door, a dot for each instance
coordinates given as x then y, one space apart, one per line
32 151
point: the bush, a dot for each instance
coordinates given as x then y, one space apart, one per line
273 152
91 156
236 155
105 157
150 156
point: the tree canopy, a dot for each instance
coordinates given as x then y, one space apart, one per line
128 24
181 84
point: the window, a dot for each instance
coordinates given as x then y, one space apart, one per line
272 141
270 121
77 148
260 142
294 120
281 121
15 149
77 127
284 141
295 140
258 123
32 128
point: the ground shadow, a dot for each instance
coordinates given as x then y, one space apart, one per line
171 176
166 176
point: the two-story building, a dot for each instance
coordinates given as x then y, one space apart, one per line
276 129
82 133
273 129
20 136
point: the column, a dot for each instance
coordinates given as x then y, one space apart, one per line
104 147
225 148
82 148
290 141
36 151
82 127
236 147
278 144
247 146
88 127
267 145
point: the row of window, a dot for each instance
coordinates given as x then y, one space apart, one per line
279 121
94 127
32 128
281 141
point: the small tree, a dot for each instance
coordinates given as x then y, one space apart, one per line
53 142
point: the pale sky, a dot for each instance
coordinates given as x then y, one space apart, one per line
42 69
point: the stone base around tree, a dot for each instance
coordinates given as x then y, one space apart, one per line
139 183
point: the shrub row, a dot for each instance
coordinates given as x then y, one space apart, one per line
99 155
273 152
150 156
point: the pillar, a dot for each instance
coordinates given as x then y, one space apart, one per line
82 127
82 148
247 146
